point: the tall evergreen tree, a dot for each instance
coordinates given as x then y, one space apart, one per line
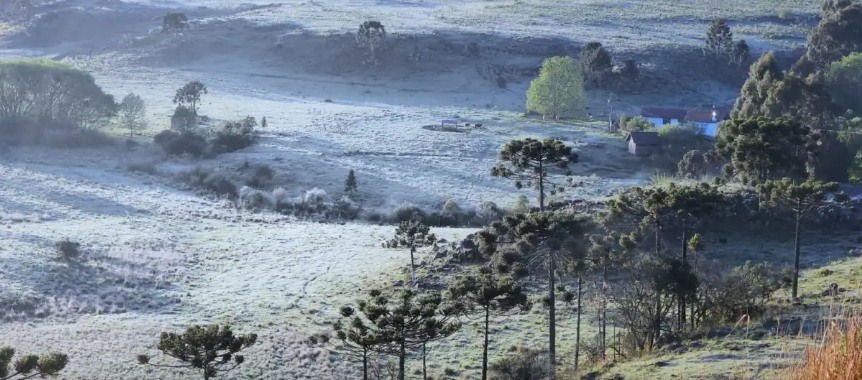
648 205
719 38
356 339
212 349
30 366
761 77
492 294
412 235
607 250
740 53
690 204
799 198
541 236
529 162
263 122
350 182
595 62
762 149
405 320
837 35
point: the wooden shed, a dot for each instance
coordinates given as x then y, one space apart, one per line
643 143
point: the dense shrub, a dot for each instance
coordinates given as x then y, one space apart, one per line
186 142
253 199
215 183
692 165
235 135
727 296
260 175
524 364
78 138
68 249
183 119
635 124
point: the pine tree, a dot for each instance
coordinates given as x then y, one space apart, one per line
529 162
212 349
30 366
540 237
263 122
740 53
404 321
801 199
719 38
595 62
690 204
762 75
837 35
412 234
491 294
607 250
356 338
350 183
762 149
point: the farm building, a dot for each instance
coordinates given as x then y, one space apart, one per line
708 120
643 143
663 116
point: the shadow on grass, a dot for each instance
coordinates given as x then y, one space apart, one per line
88 285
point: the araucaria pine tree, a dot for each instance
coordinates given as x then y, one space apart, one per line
529 162
799 198
491 294
412 234
357 339
404 320
350 183
30 366
212 349
540 237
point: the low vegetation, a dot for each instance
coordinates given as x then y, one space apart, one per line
649 262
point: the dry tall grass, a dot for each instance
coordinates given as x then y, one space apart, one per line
837 356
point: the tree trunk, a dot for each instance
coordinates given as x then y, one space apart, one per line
552 338
412 265
796 259
604 327
424 365
485 345
402 357
657 226
657 322
684 261
541 186
578 327
365 364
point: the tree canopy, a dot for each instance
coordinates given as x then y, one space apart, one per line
559 89
760 149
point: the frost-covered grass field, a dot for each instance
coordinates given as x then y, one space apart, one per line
156 256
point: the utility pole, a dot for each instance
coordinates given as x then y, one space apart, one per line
610 114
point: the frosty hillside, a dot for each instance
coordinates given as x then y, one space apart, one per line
428 189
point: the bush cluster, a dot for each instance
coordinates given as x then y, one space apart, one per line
34 114
232 136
